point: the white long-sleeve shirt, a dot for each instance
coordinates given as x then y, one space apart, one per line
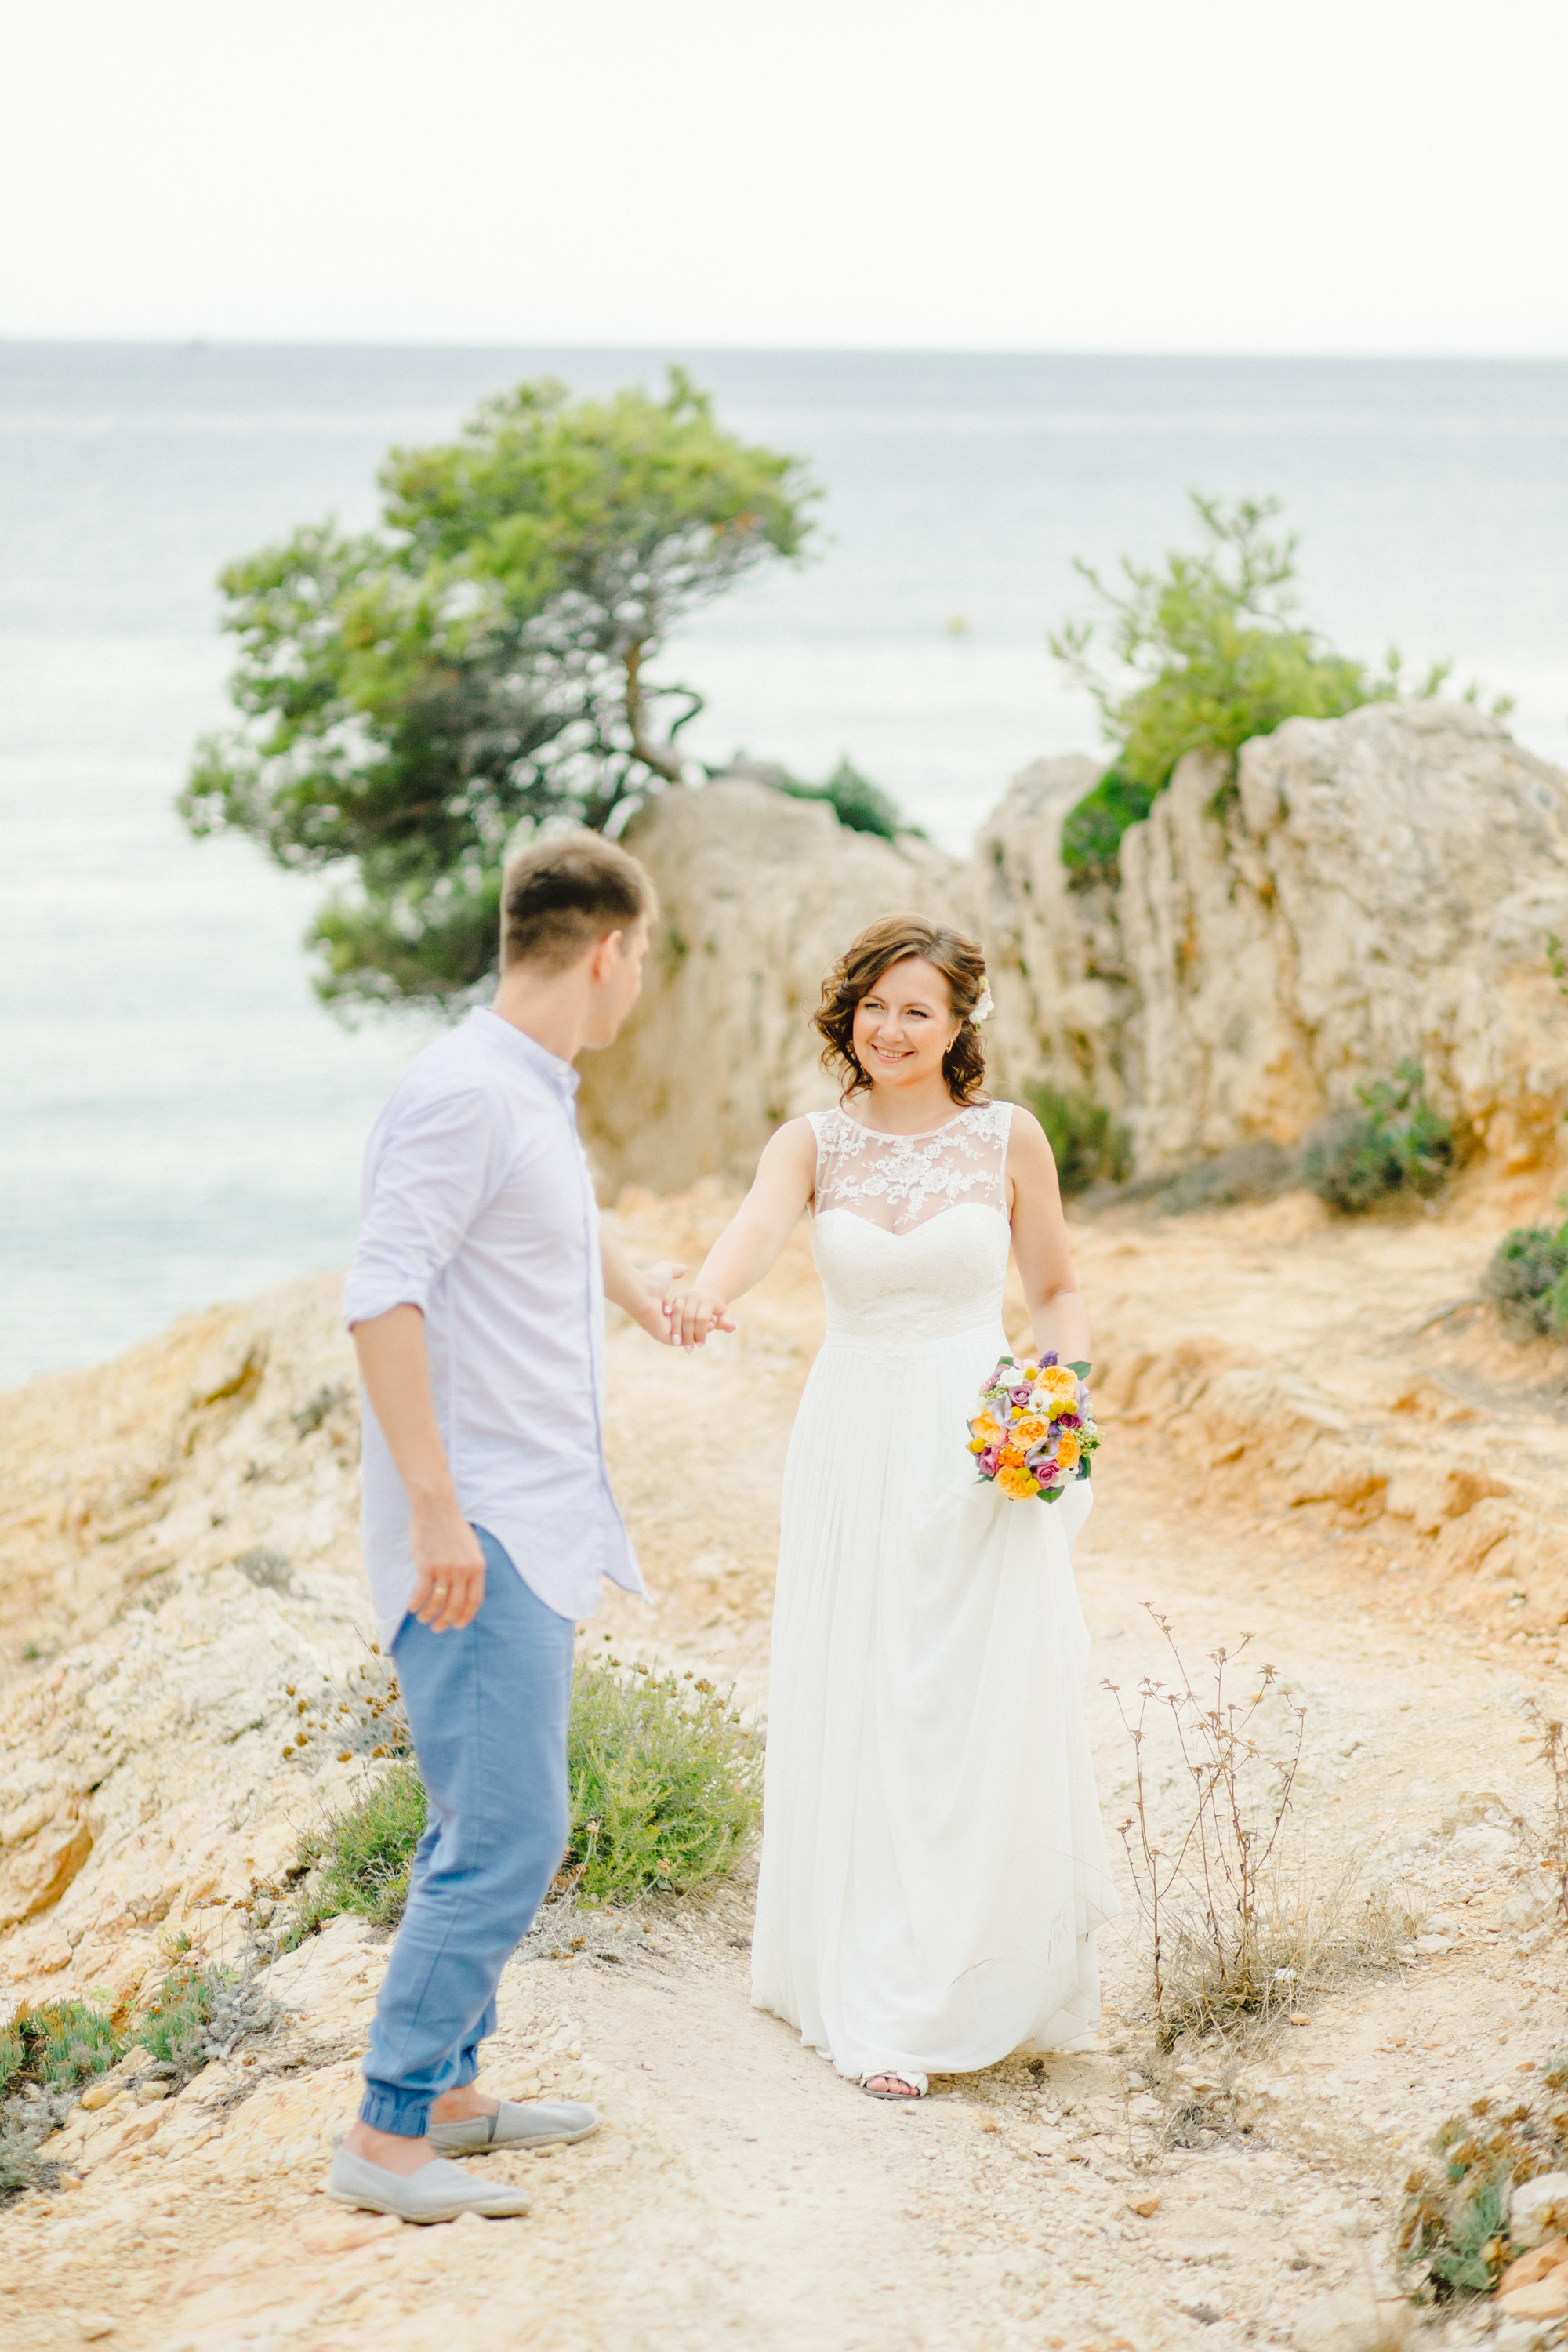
477 1209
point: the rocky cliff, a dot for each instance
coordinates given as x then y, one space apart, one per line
1366 889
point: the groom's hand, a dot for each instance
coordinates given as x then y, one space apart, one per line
693 1313
646 1307
448 1566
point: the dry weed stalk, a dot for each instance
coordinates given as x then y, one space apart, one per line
1550 1735
1225 1945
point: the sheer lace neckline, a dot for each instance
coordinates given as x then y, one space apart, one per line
899 1181
916 1135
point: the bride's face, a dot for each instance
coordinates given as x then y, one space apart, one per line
904 1025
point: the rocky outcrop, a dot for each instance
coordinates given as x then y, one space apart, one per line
1368 890
760 893
1380 887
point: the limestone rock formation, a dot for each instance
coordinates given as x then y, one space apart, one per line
1371 890
1380 887
759 893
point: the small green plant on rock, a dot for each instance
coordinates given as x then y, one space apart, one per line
1527 1282
1397 1144
1453 2228
61 2043
1088 1144
201 2013
45 2053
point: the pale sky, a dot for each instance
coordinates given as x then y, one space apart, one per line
1263 176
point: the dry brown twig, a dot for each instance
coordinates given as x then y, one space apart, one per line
1210 1898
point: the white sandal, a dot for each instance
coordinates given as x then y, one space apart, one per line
919 2084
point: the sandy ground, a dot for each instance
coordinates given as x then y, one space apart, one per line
738 2192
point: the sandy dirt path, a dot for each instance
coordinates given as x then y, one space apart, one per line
738 2191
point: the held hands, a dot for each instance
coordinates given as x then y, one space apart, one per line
693 1313
449 1567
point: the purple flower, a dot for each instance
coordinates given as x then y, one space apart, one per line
1019 1396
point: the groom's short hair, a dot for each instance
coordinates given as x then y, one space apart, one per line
560 896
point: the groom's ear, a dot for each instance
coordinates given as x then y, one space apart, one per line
606 954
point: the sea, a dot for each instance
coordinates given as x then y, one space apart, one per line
181 1122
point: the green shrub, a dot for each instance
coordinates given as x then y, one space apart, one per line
1527 1280
666 1783
855 800
63 2042
1215 659
1091 834
1397 1144
665 1789
366 1851
1088 1145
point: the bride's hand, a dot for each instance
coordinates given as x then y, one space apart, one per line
692 1313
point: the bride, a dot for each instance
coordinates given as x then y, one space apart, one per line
933 1864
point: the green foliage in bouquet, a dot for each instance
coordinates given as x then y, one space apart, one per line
1528 1281
1205 654
410 696
1397 1144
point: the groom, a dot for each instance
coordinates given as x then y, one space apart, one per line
475 1302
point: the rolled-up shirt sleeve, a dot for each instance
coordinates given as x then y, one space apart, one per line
428 1174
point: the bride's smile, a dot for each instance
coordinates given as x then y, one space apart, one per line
903 1029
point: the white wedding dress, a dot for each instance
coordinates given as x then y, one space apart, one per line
934 1860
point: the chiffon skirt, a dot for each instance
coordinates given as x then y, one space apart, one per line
933 1860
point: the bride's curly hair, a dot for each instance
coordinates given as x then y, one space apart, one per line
857 972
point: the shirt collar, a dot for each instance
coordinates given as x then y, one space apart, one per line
538 1058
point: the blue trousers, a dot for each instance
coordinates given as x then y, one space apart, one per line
488 1709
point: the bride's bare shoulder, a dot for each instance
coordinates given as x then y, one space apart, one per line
1026 1143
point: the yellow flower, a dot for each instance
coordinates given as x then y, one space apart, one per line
1018 1483
986 1428
1029 1430
977 1446
1060 1382
1068 1449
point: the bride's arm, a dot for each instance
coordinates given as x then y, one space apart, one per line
752 1238
1057 1315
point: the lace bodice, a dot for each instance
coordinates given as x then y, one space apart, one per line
910 1232
899 1182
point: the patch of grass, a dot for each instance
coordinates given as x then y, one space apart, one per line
1088 1145
1527 1281
60 2044
365 1852
666 1783
1397 1144
45 2054
1453 2228
199 2014
664 1786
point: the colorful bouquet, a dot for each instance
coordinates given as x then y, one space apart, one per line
1035 1432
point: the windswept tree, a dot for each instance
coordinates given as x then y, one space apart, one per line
409 697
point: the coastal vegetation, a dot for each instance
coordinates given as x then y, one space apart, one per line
665 1783
1204 655
1088 1143
1397 1144
409 697
1527 1280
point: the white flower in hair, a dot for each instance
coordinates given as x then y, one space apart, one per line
985 1007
